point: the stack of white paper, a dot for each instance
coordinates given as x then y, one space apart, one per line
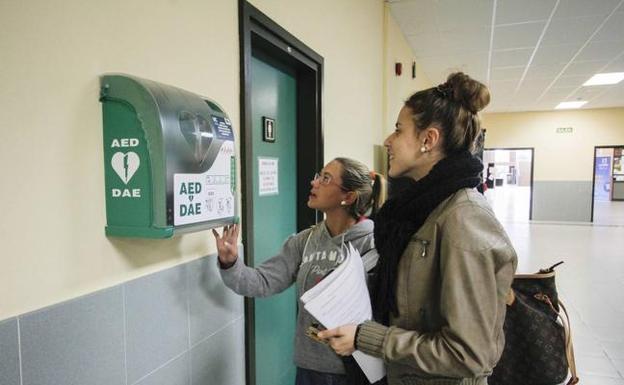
342 298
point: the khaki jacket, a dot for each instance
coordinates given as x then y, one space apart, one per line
452 282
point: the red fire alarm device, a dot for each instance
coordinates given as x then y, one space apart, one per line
398 68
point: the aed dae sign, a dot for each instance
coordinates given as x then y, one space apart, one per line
128 196
206 196
125 164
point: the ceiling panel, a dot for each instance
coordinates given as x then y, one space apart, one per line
560 93
550 101
537 87
524 95
511 57
467 40
517 35
514 11
460 41
574 8
506 73
415 17
543 72
616 93
451 14
555 54
601 50
587 67
498 88
615 65
578 29
588 93
610 98
554 96
613 28
569 81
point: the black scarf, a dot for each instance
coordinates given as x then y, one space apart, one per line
402 216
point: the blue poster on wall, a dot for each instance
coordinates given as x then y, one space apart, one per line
602 186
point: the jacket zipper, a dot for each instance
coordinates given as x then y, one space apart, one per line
424 244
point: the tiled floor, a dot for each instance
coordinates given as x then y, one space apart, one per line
591 284
609 212
510 202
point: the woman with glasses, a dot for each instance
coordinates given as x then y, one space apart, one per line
445 263
345 191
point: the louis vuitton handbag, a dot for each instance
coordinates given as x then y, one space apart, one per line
538 344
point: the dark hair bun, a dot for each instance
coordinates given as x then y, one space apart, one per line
471 94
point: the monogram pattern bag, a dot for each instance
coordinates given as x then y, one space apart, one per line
538 344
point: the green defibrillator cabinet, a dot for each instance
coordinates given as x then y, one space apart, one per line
169 159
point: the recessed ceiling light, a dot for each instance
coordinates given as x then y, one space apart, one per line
568 105
606 78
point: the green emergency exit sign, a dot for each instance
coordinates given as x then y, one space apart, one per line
565 130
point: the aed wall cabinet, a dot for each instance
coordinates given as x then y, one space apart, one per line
169 159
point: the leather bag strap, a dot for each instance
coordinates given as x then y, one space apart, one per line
565 321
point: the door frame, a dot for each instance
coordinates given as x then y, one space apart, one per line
258 32
594 177
532 168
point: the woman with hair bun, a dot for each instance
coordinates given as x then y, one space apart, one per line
446 264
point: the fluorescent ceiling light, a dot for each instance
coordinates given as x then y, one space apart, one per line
568 105
606 78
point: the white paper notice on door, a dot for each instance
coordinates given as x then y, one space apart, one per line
268 172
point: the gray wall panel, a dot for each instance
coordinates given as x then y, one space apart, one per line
9 353
136 333
156 320
175 372
220 360
212 304
562 201
78 342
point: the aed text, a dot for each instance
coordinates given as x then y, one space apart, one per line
125 142
190 189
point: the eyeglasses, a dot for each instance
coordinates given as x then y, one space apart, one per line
326 179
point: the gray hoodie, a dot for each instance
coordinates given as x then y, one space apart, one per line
322 254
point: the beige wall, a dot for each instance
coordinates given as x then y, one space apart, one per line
398 88
558 157
52 230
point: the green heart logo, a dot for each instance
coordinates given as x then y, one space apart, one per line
125 165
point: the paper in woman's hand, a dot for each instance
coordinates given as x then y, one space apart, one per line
342 298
